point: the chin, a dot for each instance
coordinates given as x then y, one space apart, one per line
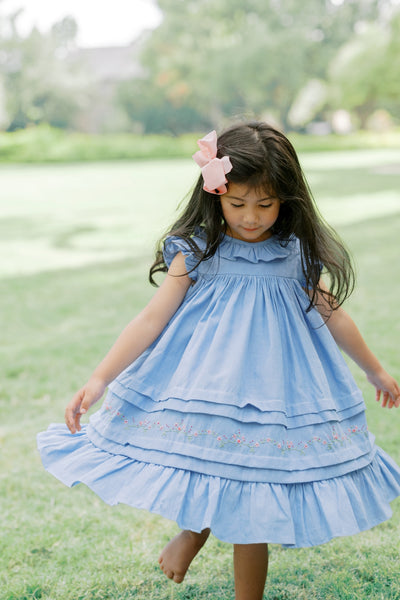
255 236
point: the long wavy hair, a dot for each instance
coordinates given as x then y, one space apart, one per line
263 158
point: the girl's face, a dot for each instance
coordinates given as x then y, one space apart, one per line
249 213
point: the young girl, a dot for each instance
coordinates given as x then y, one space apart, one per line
230 407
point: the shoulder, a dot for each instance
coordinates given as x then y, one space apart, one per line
293 263
190 248
296 249
293 245
190 245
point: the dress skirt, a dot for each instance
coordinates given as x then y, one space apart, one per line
242 416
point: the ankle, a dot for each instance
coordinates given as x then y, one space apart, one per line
198 538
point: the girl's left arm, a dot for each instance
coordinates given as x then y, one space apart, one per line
349 339
134 339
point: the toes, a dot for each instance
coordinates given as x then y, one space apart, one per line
176 577
166 571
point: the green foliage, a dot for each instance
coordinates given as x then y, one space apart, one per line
46 144
390 72
209 61
365 72
223 58
156 114
40 84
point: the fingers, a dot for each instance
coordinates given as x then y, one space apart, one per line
395 400
74 411
394 395
385 399
387 389
390 399
81 402
87 402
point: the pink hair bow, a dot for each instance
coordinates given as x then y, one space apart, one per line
213 169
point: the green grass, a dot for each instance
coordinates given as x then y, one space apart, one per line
76 243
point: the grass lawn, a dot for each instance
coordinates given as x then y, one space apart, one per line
76 243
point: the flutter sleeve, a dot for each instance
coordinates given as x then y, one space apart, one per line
175 244
293 266
302 276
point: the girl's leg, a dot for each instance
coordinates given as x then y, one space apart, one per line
250 562
177 555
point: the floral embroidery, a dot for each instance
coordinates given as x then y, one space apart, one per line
238 439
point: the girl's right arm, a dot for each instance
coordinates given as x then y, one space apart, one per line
348 337
134 339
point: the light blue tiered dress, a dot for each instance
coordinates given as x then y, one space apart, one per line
242 416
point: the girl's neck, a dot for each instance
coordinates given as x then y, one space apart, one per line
257 240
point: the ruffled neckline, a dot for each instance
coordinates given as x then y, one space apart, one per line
232 248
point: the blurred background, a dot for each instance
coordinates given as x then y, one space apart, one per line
180 66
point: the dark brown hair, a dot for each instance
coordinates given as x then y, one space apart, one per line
264 158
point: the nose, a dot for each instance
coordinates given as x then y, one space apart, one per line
250 217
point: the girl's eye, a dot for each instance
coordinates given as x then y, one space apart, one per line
260 205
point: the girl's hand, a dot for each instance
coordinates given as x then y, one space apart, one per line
82 401
387 388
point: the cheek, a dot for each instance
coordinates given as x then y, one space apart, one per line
276 214
224 210
228 214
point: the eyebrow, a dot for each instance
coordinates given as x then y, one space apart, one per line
245 200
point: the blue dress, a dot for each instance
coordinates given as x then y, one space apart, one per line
242 416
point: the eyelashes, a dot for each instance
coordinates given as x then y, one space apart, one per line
259 206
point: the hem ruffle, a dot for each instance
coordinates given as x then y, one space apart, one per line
293 515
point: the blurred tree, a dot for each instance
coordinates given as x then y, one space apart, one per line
150 112
210 60
226 57
40 84
64 34
354 73
390 71
365 74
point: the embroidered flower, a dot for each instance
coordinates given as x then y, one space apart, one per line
330 443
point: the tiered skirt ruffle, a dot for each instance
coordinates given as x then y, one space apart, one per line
294 515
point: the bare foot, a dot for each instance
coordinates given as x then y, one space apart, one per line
177 555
